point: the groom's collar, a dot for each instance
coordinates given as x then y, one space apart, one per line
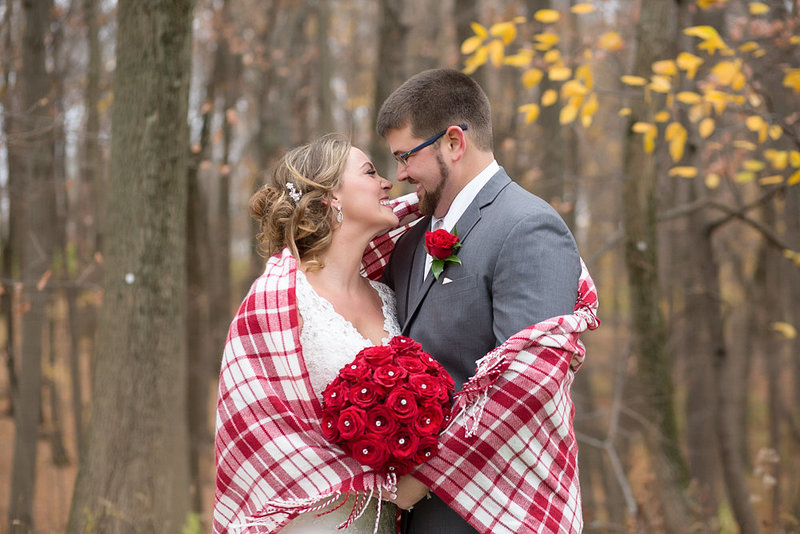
467 194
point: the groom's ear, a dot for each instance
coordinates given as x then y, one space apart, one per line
455 142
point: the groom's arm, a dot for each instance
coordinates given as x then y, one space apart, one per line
536 274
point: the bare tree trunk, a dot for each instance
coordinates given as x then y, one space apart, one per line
133 475
389 74
37 255
655 31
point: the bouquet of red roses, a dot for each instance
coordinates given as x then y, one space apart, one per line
387 407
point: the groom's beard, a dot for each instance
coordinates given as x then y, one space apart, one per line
428 203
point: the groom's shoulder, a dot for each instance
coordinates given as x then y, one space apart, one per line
515 202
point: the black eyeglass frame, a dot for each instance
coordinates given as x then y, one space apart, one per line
403 158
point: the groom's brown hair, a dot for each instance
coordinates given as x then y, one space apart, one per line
435 99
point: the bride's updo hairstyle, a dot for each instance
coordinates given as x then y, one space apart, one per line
294 210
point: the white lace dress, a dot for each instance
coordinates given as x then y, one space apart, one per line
329 343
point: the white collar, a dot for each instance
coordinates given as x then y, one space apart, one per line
465 197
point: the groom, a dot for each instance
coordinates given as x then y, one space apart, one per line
518 260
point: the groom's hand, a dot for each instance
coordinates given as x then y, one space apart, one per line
409 492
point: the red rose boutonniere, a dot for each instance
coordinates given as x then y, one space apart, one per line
442 246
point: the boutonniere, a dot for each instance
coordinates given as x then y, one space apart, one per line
442 246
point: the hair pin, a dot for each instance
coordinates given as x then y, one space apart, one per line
293 192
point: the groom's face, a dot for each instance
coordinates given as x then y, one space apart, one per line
425 169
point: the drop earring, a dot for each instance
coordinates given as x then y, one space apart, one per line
339 215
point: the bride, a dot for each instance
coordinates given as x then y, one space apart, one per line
307 316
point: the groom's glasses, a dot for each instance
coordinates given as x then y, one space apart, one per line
403 158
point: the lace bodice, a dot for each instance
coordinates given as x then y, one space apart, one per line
329 343
329 340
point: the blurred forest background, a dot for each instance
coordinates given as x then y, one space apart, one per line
666 133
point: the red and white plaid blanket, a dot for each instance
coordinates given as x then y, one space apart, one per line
505 465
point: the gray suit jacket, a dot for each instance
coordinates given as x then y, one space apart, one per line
519 265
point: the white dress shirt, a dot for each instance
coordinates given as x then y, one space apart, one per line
463 199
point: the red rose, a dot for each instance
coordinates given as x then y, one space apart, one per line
371 450
335 395
405 346
388 375
403 444
428 421
440 243
427 448
352 421
357 370
424 385
381 421
364 394
403 403
380 355
329 430
412 364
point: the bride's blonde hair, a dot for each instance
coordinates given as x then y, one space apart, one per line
294 210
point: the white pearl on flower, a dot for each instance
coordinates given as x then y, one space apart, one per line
378 423
391 373
347 423
363 390
364 451
424 386
403 402
402 441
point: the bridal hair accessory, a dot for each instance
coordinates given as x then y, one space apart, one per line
294 193
339 215
387 407
442 246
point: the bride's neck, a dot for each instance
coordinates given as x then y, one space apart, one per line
341 267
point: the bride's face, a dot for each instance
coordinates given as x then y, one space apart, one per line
363 195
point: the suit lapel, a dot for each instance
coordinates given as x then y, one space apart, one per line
464 226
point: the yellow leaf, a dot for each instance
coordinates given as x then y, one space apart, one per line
624 112
496 51
635 81
775 132
520 59
749 46
778 159
758 8
759 53
531 112
548 38
479 30
573 88
688 97
725 71
707 4
717 99
665 67
794 179
771 180
788 331
703 32
706 127
589 109
713 180
738 82
549 97
792 79
547 16
471 44
794 39
712 45
568 113
689 62
584 72
663 116
507 31
553 56
794 158
559 74
676 135
611 41
643 127
660 84
754 123
476 60
582 9
746 145
744 176
683 172
753 165
532 77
